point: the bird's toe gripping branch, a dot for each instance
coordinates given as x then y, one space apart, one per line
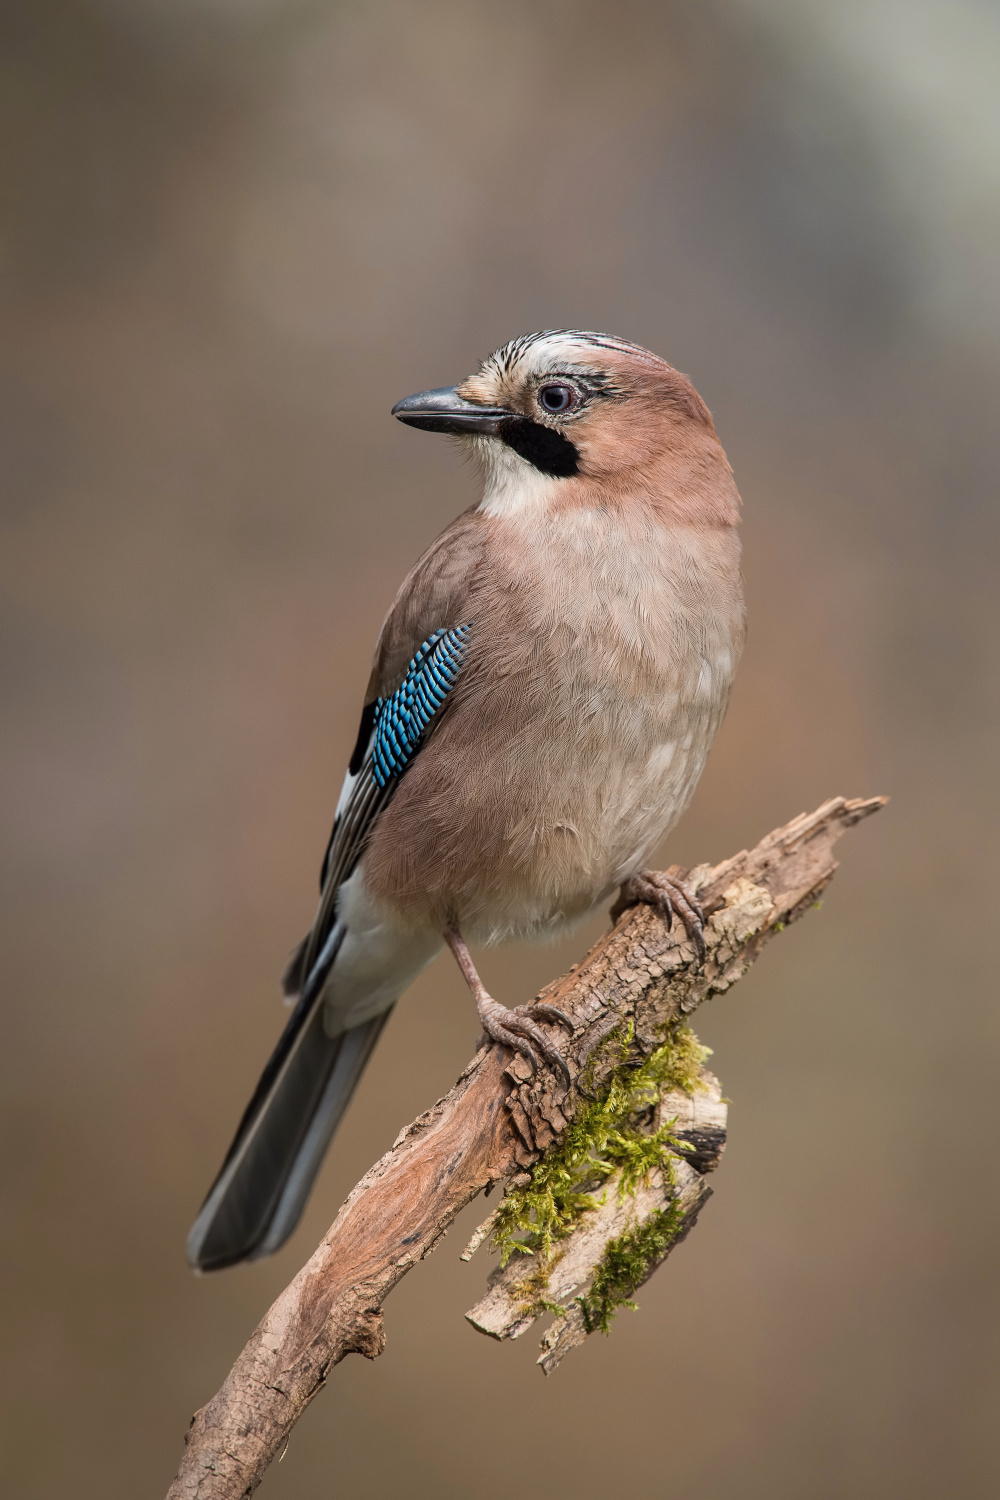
666 891
517 1029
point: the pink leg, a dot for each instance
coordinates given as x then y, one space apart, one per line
512 1028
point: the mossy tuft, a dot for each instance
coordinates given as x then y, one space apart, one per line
625 1265
605 1137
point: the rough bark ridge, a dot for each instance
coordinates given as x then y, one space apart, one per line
638 979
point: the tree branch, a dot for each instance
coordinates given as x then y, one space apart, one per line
637 982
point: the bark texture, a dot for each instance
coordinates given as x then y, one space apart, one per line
497 1121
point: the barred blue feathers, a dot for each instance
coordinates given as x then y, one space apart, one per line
402 720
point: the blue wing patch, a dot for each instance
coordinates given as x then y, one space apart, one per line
402 720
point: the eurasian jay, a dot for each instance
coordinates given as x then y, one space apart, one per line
544 693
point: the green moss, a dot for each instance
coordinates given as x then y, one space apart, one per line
604 1138
625 1264
530 1290
616 1041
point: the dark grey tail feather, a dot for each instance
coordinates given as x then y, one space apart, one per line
293 979
258 1197
355 1048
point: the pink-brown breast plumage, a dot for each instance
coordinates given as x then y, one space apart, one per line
604 642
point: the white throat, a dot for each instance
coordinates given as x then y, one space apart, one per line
512 486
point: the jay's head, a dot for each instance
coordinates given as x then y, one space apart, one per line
561 413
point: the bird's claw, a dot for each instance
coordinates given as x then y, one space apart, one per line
668 894
516 1029
543 1011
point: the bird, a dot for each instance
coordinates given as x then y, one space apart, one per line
542 699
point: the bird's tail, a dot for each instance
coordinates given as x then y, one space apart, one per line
257 1198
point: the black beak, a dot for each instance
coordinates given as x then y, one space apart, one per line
444 410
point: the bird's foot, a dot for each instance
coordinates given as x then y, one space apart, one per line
668 894
511 1028
517 1029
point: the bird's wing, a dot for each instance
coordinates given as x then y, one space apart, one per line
417 661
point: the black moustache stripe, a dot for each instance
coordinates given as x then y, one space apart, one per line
548 450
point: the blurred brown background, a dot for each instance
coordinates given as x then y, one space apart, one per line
232 235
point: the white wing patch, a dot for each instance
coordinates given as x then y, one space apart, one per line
350 782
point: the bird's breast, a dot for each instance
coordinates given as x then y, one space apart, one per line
601 660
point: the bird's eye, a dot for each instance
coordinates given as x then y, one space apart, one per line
557 398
